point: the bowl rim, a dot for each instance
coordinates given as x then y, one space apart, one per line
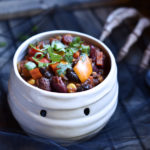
57 94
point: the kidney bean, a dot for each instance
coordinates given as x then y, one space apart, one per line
93 53
58 85
71 75
67 39
43 83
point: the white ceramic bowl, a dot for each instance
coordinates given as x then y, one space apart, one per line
69 116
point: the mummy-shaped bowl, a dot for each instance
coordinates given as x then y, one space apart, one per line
64 117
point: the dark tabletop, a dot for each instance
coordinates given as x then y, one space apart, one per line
128 129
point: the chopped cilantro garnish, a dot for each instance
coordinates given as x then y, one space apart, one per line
38 55
53 56
68 57
72 49
85 49
69 54
58 46
41 50
52 51
76 42
40 64
76 39
62 68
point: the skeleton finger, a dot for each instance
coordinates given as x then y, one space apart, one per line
133 37
145 59
115 13
116 21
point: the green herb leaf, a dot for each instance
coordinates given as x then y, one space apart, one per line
76 39
30 65
37 55
62 68
58 46
41 50
76 42
53 56
72 49
85 49
40 64
68 57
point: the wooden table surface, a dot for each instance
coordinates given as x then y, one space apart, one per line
129 127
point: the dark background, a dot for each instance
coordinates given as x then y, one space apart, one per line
129 128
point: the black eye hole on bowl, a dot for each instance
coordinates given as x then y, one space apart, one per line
43 113
86 111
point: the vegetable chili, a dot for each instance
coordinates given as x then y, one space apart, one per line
64 64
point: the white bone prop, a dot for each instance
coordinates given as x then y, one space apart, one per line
133 37
146 58
117 20
115 13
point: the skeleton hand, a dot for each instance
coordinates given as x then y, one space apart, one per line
115 19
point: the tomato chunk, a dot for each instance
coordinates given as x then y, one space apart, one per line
76 55
32 51
44 60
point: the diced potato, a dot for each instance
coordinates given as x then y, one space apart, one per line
83 68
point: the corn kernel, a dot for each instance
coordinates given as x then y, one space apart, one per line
100 78
31 81
71 88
